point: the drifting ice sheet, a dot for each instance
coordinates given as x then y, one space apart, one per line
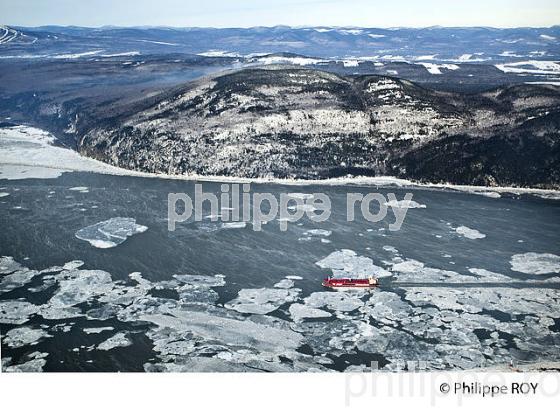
347 264
110 233
535 263
469 233
119 340
405 204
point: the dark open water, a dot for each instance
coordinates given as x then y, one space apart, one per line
455 327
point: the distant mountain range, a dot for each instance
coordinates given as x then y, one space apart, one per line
475 44
462 105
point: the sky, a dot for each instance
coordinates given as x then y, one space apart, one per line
248 13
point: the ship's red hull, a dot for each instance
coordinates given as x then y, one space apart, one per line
350 283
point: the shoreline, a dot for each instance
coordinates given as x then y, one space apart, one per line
79 163
380 181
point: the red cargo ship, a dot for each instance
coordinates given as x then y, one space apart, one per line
336 283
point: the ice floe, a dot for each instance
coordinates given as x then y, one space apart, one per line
234 225
76 287
313 234
191 332
16 312
300 311
82 189
110 233
338 301
469 232
14 275
411 270
201 280
318 232
535 263
262 301
255 334
405 204
347 264
95 330
34 365
73 265
24 336
121 339
196 289
488 276
284 284
391 249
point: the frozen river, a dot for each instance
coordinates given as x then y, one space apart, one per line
92 280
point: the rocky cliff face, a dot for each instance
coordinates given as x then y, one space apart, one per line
300 123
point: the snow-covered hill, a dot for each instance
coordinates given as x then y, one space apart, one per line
295 122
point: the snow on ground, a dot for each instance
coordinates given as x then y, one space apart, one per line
531 67
163 43
350 63
27 152
549 195
535 263
425 57
557 83
469 58
124 54
77 55
436 68
350 31
488 194
218 53
289 60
